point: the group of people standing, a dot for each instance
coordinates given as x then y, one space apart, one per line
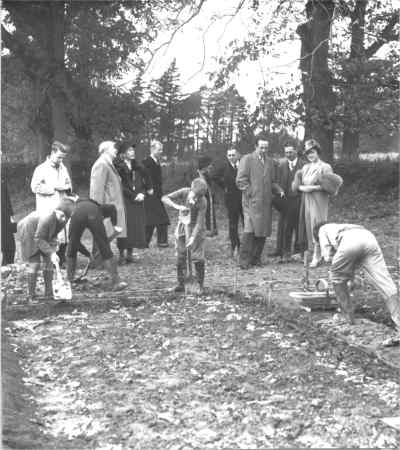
130 195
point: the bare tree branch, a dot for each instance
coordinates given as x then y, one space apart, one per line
169 41
386 36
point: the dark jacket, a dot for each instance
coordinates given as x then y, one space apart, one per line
155 174
225 177
8 228
135 180
155 211
285 179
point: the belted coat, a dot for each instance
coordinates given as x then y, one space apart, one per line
106 187
257 180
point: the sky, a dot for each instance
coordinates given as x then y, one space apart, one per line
199 43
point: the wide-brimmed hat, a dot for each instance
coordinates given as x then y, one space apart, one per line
203 162
311 144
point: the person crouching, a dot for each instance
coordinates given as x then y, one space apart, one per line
349 247
90 214
38 239
191 229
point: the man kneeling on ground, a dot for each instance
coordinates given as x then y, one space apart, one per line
191 229
349 247
89 214
38 238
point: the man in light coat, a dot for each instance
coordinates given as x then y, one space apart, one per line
51 181
105 183
256 178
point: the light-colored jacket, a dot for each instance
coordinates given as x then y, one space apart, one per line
49 184
256 180
106 187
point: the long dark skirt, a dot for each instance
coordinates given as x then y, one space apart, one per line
136 226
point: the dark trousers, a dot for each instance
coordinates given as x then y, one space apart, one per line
94 222
8 249
234 215
162 233
251 249
288 227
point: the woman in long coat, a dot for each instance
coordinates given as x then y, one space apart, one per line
136 184
105 184
315 200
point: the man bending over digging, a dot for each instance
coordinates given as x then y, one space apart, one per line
190 231
349 247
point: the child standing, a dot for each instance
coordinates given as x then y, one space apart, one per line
190 231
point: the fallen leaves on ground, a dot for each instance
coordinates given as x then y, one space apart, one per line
192 373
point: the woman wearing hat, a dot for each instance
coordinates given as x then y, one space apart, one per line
135 185
315 198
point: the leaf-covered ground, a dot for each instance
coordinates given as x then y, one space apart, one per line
223 371
209 373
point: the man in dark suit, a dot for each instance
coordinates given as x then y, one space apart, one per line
225 177
288 206
156 216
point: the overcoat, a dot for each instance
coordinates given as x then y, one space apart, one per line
257 180
106 187
135 180
155 211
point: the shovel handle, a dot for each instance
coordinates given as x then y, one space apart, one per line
58 270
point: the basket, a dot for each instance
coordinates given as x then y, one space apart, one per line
316 300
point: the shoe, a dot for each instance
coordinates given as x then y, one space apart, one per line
258 264
315 263
274 254
163 245
393 341
179 288
120 286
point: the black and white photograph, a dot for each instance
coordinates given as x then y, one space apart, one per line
200 224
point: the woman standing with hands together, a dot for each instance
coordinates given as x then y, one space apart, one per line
315 198
135 184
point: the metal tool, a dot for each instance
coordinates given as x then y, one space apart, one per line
62 289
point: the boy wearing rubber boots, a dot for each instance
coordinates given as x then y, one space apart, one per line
191 229
349 247
38 238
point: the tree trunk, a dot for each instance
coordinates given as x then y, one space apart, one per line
319 100
58 86
351 128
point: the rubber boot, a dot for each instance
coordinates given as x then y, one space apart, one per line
343 297
121 259
199 267
129 256
116 283
71 268
180 275
32 279
316 259
48 284
393 305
